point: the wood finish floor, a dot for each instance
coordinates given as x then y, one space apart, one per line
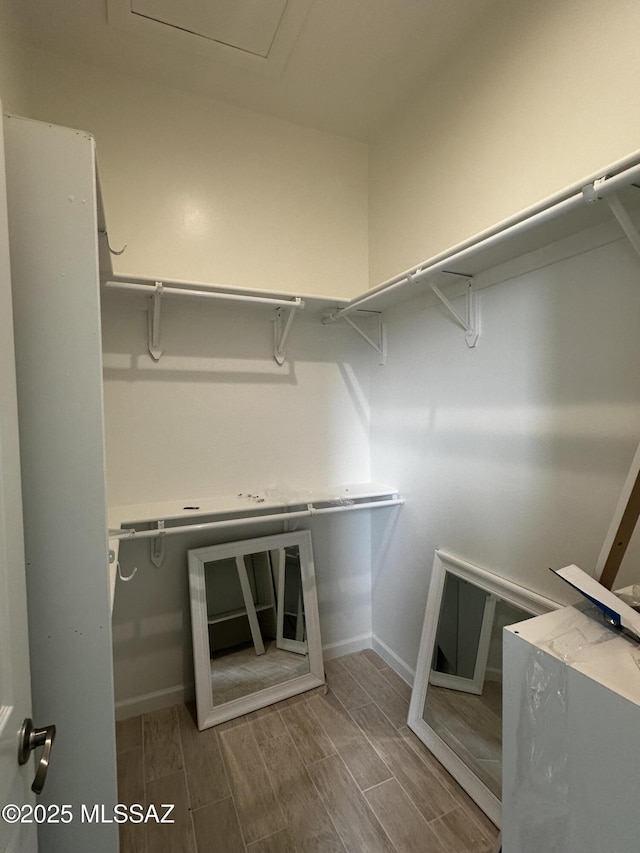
336 772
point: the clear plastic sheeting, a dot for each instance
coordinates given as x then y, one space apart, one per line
541 800
571 716
574 644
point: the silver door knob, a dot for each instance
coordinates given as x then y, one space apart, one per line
31 738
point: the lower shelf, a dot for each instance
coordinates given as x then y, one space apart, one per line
232 614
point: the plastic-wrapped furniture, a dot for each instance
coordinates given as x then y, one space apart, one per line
571 750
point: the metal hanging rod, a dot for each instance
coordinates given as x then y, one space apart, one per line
131 533
158 291
593 189
168 290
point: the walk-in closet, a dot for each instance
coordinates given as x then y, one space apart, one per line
319 347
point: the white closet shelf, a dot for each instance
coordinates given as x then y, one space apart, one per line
597 199
313 304
233 511
154 291
243 507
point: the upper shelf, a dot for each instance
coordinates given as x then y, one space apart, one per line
313 304
598 199
585 204
154 291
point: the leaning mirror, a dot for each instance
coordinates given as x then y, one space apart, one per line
254 617
456 702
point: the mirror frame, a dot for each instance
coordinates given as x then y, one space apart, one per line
504 589
208 713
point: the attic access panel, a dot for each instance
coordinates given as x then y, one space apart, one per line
256 34
244 24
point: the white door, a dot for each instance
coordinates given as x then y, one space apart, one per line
53 236
15 684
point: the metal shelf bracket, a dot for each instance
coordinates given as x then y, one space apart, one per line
591 195
379 343
470 323
154 322
157 546
281 329
624 220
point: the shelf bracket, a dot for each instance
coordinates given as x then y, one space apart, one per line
157 546
624 220
154 322
379 344
470 323
281 329
591 195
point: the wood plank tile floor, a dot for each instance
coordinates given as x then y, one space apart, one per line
336 772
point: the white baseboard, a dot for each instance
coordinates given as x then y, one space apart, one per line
155 701
148 702
346 647
396 663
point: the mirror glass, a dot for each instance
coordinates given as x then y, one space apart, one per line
256 634
456 700
463 703
256 624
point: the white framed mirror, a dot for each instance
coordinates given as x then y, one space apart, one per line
456 701
255 625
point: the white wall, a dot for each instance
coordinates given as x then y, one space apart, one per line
540 96
13 68
218 416
200 190
511 455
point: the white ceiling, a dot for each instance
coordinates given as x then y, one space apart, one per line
352 65
241 24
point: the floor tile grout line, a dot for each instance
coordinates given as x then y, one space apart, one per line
224 767
358 788
237 814
275 795
393 775
264 837
335 748
388 719
233 799
185 779
313 784
367 657
378 784
366 739
346 671
364 734
359 683
392 685
144 780
361 792
461 808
